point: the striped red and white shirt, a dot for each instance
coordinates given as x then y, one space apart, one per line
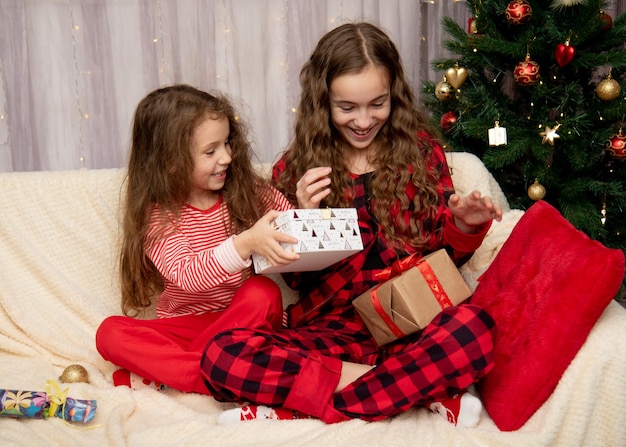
197 259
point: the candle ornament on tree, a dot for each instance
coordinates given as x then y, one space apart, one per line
497 135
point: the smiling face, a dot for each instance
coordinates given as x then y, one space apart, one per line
360 105
211 155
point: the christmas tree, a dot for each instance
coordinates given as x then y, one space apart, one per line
537 91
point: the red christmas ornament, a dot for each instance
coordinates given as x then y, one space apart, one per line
564 53
606 20
526 72
448 120
518 12
471 26
616 146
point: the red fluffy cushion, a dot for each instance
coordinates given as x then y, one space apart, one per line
545 289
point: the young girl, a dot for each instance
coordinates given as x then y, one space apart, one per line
361 142
195 212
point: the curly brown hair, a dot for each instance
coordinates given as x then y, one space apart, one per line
159 173
351 49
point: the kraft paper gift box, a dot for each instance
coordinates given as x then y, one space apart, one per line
408 302
325 236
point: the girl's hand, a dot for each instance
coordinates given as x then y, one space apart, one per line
263 238
312 188
473 210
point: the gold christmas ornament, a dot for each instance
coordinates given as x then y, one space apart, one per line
456 76
444 91
549 135
74 373
608 89
536 191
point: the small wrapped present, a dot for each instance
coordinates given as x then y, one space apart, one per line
18 403
40 404
417 289
325 236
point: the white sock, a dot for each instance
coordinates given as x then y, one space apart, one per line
471 407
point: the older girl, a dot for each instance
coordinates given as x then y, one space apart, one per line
361 142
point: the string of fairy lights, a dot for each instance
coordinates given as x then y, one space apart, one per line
226 28
4 126
285 63
83 116
158 39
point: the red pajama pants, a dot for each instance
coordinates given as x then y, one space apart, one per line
300 368
168 350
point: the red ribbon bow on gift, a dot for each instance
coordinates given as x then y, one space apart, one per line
397 268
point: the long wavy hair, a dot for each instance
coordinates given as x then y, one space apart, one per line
350 49
159 174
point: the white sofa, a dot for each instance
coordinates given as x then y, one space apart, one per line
58 280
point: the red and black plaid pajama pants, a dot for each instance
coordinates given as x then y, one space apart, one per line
300 368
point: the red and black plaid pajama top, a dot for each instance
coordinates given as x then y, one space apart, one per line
299 367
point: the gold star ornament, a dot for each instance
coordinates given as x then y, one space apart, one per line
549 135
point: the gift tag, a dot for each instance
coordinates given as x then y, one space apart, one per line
497 135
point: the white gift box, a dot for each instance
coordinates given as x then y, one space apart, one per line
497 135
325 236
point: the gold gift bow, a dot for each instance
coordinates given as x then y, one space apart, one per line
58 399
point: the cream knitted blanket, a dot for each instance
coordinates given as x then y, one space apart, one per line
58 281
